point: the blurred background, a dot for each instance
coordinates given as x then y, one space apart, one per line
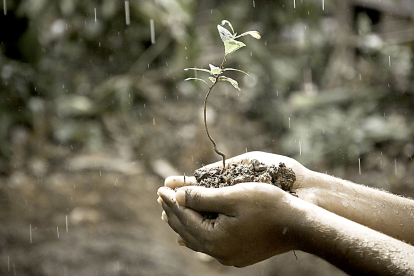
95 113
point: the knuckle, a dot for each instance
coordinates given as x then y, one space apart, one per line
194 198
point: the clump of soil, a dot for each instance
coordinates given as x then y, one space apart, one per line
280 176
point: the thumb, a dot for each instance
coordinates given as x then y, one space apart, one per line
203 199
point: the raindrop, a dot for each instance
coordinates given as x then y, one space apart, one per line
359 165
323 5
152 31
395 166
30 232
289 122
254 4
4 7
57 230
360 77
300 149
127 18
294 4
94 9
389 61
153 121
67 228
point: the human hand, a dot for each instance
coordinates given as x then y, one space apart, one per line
255 221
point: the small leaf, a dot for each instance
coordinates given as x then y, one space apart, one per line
224 34
232 46
213 80
230 80
232 69
198 80
252 33
228 22
199 69
215 70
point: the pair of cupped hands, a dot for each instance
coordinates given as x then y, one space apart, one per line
255 221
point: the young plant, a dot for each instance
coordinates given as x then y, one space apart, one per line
216 73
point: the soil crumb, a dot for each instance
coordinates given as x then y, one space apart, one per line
280 176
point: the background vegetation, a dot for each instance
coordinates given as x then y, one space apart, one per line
94 113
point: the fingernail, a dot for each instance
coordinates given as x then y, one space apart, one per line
159 200
164 216
180 197
181 243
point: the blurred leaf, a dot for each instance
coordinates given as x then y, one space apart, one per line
232 69
198 80
225 34
198 69
254 34
230 80
213 80
215 70
232 46
227 22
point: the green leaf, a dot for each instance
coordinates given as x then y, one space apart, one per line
213 80
232 69
228 22
224 34
198 80
252 33
230 80
199 69
231 46
215 70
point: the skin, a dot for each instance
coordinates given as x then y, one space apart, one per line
358 229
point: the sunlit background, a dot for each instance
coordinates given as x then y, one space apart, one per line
95 113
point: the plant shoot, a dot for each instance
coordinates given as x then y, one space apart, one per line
216 73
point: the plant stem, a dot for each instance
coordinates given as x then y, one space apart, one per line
205 126
205 117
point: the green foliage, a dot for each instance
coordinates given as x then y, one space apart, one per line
230 46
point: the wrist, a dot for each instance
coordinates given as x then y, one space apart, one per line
310 186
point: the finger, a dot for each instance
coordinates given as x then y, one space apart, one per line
203 199
179 181
164 216
167 196
188 224
181 241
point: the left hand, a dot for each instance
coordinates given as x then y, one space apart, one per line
255 221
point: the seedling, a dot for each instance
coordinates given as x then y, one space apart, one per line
231 45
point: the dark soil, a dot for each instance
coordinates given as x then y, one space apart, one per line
280 176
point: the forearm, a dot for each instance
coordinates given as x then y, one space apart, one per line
356 249
378 210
